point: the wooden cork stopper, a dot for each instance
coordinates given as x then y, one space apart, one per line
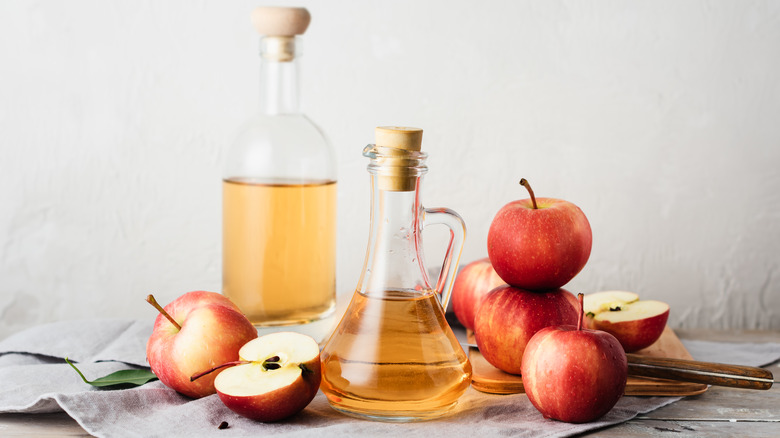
394 143
280 21
398 137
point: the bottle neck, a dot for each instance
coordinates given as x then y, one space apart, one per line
279 76
394 261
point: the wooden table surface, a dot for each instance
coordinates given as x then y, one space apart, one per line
717 412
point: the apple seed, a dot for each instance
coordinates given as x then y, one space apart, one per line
272 363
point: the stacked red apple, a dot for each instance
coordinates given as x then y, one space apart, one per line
200 334
535 246
533 327
573 374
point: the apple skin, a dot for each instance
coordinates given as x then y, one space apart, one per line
471 285
574 375
213 329
279 403
633 335
539 249
509 317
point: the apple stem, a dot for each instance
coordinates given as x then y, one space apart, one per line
581 312
227 364
150 299
524 182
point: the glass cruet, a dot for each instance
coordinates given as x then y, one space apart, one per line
393 357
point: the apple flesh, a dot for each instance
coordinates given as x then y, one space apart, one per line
279 377
539 243
635 323
211 330
509 317
471 285
573 374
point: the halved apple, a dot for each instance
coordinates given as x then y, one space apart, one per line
635 323
278 375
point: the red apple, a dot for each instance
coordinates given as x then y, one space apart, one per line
198 330
539 243
473 282
573 374
277 375
636 324
508 317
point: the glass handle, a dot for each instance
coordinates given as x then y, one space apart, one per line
457 236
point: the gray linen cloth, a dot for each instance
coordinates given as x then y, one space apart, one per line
35 379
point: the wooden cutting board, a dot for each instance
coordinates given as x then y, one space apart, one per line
487 378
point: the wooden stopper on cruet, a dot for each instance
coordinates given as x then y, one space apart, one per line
398 166
398 137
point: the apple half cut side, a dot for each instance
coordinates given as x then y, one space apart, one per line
635 323
608 300
278 376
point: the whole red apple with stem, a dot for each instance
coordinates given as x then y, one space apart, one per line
198 330
539 243
509 317
471 285
573 374
276 376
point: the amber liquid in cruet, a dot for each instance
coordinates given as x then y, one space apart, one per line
394 357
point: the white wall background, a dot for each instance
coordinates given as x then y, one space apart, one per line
660 119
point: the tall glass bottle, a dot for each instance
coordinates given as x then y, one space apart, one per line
393 357
279 197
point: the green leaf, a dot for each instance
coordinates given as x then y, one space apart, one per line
121 378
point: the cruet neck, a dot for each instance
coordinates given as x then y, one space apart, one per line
394 260
397 170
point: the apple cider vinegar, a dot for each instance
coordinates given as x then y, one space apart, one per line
279 196
279 250
394 357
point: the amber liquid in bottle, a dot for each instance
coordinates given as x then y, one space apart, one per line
395 358
279 252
